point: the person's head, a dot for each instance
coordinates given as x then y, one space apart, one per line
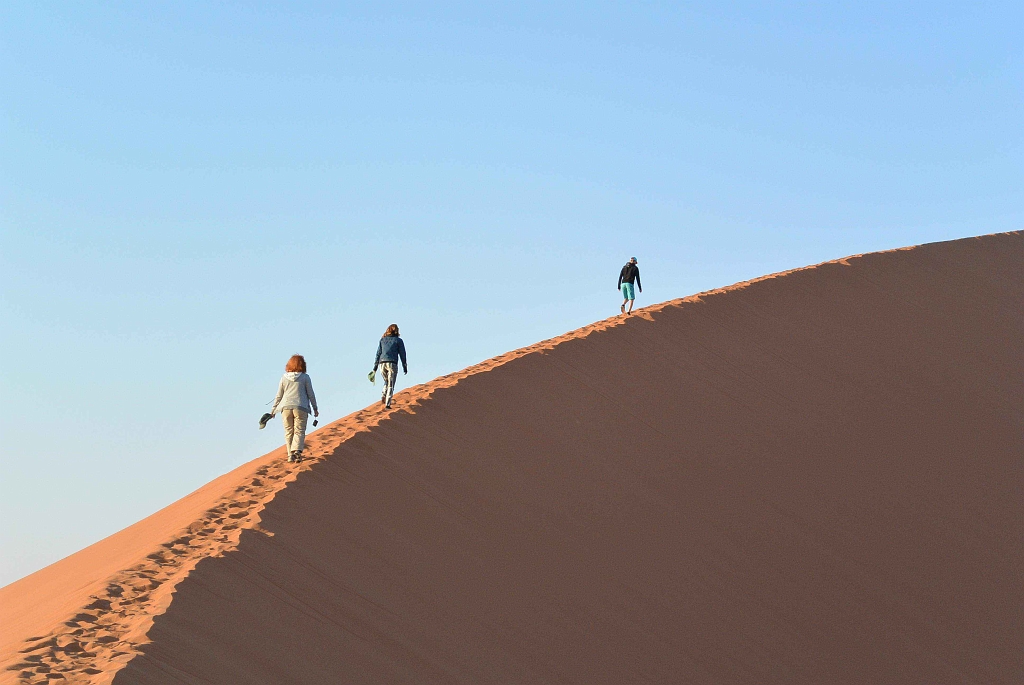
296 363
392 331
632 260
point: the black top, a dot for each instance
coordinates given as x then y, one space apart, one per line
629 274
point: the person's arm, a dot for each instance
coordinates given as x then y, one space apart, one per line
376 360
401 353
639 287
277 400
619 285
311 395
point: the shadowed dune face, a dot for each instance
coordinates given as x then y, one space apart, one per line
815 478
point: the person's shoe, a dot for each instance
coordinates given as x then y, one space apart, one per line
291 457
387 406
298 457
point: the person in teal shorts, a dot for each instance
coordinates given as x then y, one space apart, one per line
629 275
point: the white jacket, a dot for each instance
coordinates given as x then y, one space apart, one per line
294 392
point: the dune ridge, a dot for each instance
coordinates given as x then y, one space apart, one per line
115 617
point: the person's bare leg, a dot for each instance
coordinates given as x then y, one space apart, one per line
622 307
630 310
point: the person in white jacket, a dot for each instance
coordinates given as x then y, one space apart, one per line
294 399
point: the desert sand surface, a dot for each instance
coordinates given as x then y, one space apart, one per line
812 477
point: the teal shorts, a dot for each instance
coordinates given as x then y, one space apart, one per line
627 291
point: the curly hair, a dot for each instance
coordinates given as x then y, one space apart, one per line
392 330
296 363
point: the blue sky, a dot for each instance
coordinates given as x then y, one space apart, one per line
192 192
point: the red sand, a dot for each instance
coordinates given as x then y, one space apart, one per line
815 477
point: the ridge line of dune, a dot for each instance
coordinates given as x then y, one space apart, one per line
94 643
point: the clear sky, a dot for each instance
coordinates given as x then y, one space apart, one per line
192 192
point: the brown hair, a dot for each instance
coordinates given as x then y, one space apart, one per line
392 330
296 363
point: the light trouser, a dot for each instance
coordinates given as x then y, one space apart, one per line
294 429
388 372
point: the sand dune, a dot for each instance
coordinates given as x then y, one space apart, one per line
814 477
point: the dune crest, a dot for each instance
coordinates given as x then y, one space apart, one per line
808 477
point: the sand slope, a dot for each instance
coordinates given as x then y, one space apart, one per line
815 477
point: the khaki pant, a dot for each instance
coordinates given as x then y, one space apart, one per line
294 421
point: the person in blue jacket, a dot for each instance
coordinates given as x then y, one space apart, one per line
389 351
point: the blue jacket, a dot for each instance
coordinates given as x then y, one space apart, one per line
390 349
